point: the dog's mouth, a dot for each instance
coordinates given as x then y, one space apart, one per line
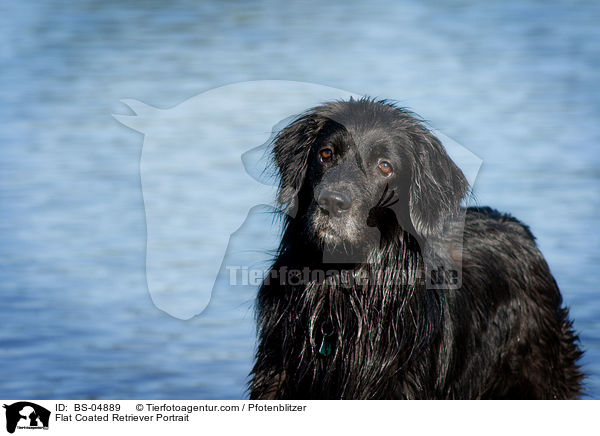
344 238
330 232
329 226
332 229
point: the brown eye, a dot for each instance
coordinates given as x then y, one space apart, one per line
385 168
326 155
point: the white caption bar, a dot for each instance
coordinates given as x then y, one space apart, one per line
150 417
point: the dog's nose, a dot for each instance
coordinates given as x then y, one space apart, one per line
334 202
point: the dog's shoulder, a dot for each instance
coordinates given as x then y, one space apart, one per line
500 241
488 221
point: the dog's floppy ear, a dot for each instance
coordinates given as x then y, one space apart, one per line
437 185
291 151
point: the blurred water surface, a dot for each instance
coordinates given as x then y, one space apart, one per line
516 82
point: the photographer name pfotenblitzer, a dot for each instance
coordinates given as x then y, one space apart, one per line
158 412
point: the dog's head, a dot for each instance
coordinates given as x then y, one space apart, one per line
360 170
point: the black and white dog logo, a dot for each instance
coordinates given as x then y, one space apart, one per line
26 415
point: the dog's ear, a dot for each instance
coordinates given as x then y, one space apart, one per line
437 186
291 151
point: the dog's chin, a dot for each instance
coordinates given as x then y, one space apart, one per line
334 230
328 234
343 239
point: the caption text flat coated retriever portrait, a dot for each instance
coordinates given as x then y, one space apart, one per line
410 295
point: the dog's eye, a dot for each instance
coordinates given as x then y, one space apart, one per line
326 155
385 168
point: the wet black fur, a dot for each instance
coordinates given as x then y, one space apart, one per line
504 334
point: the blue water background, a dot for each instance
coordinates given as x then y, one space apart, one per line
514 81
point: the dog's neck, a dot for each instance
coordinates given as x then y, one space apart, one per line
336 322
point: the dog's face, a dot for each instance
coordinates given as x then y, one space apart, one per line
354 175
360 171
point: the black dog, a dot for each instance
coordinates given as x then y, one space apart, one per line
356 307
